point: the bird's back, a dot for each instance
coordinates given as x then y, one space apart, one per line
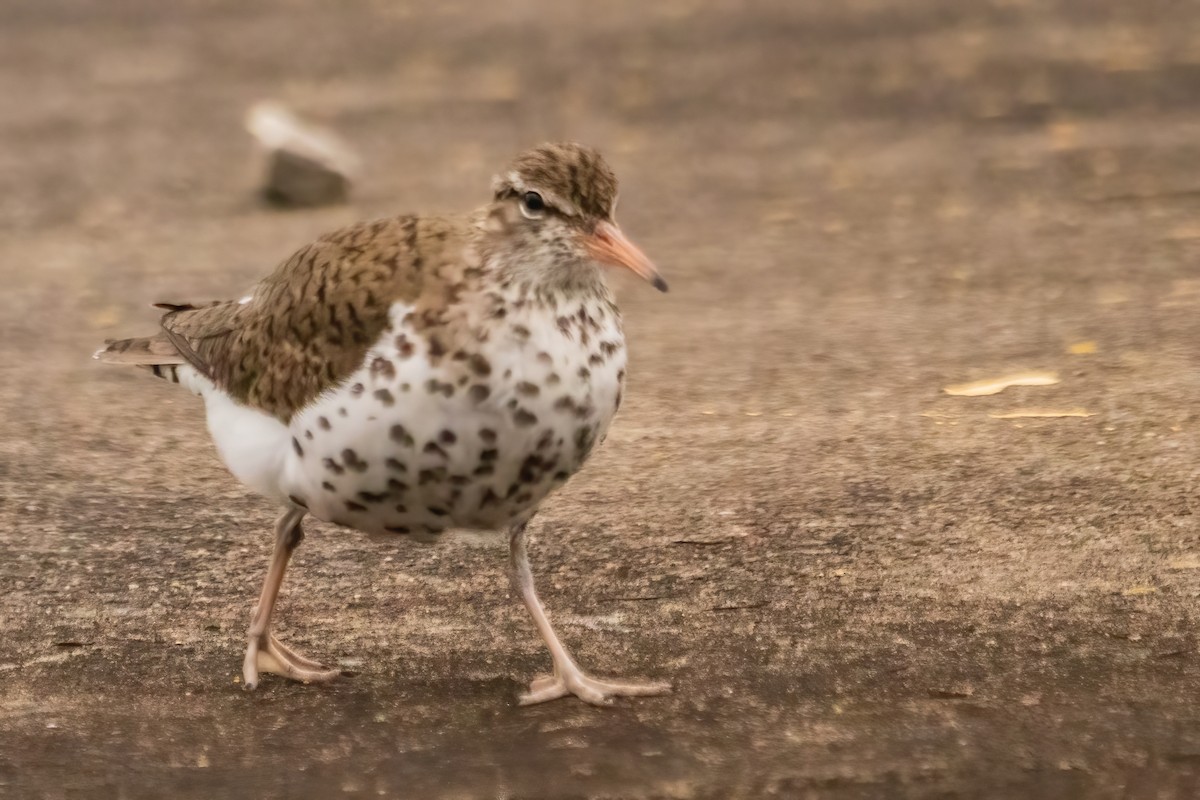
309 324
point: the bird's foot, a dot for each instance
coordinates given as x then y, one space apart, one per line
275 657
585 687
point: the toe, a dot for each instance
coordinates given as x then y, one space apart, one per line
541 683
543 695
648 689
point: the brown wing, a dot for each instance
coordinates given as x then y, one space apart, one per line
309 325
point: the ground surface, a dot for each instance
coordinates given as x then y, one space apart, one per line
862 587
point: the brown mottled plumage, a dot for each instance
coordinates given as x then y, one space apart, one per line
310 323
417 374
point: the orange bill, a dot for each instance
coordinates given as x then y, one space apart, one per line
609 246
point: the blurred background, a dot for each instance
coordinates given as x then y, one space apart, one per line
870 569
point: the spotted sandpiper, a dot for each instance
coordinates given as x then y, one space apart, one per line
417 374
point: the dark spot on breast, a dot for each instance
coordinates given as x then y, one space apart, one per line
617 404
434 386
524 418
384 396
382 368
595 359
327 486
564 403
553 380
404 348
342 412
584 373
584 439
489 455
298 501
530 469
520 331
357 389
323 423
296 446
399 435
479 392
433 448
608 348
396 465
480 365
447 436
459 480
353 506
523 497
401 508
545 358
484 469
561 475
352 461
373 497
332 466
546 440
436 348
397 528
438 512
461 355
308 435
512 404
564 326
489 498
528 389
487 435
436 475
396 487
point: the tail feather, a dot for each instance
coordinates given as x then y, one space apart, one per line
155 353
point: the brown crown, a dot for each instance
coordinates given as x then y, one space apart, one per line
573 172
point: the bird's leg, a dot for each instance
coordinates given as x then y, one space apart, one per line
568 678
265 653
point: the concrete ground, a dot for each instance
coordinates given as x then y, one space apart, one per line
862 586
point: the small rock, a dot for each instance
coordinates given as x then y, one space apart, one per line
305 166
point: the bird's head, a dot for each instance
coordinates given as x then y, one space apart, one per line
554 204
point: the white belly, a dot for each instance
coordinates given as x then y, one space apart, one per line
404 446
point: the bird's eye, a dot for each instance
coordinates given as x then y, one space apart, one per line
532 205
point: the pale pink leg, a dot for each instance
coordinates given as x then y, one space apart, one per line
567 678
264 653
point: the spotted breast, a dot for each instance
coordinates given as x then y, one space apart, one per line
429 434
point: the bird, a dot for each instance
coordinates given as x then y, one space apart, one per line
420 374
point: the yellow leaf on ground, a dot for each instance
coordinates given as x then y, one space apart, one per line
1186 562
997 385
1082 348
1047 413
1137 591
